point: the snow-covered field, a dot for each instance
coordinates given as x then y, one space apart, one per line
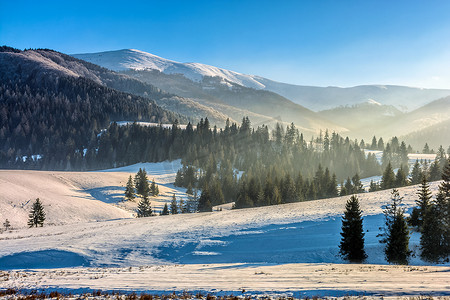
287 249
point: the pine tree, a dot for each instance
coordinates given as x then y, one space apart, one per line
144 208
424 201
352 242
154 190
357 185
204 203
173 205
435 171
141 183
165 210
374 186
431 235
397 232
7 224
416 173
388 178
37 215
129 189
401 177
443 210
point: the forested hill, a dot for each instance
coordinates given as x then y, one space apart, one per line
55 108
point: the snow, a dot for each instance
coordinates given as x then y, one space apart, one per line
138 60
285 249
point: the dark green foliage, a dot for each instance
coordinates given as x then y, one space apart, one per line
401 179
435 171
352 242
154 189
144 208
37 215
396 231
129 189
388 179
374 186
7 224
443 210
165 210
141 183
416 173
424 201
173 205
431 238
204 203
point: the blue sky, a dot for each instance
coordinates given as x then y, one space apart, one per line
310 42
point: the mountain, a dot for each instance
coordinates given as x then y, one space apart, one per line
315 98
53 105
362 117
322 98
230 93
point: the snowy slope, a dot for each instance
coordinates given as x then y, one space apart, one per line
121 60
313 97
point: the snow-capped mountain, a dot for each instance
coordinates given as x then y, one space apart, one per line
126 59
312 97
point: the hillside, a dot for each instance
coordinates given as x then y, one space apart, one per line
211 86
53 106
315 98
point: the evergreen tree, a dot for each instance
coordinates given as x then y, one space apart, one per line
204 202
416 173
154 188
435 171
426 149
144 208
374 145
189 190
352 242
401 177
397 232
443 210
388 178
374 186
141 183
423 203
165 210
431 237
129 189
37 214
173 205
357 185
7 225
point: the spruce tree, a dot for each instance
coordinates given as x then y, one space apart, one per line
352 242
431 235
7 224
141 183
173 205
416 173
165 210
154 190
388 178
401 177
144 208
397 232
424 201
435 171
129 189
37 214
443 210
204 202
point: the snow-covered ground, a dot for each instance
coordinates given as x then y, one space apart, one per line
291 248
73 197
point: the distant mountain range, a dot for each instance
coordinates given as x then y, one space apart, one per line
315 98
144 87
230 93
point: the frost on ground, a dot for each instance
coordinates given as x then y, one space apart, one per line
291 248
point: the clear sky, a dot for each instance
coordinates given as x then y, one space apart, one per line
307 42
